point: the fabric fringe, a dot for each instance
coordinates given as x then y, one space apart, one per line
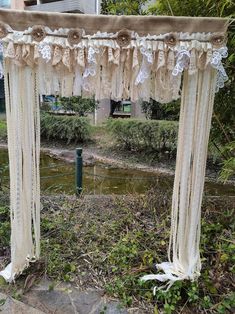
194 127
22 106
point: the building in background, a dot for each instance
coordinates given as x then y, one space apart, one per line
75 6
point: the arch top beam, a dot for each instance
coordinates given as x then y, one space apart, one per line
143 25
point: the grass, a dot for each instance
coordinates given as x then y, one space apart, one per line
110 243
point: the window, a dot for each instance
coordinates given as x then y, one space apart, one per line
120 109
34 2
123 107
5 3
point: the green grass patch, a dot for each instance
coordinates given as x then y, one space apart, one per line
112 242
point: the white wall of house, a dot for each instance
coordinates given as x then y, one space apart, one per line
103 111
136 111
82 6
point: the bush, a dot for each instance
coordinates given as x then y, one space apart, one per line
3 130
5 229
228 165
78 104
158 111
65 128
151 135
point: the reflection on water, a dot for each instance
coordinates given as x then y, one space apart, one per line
59 177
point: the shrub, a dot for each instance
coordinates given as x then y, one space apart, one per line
140 135
228 165
158 111
65 128
3 130
78 104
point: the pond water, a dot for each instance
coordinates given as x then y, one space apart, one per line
59 177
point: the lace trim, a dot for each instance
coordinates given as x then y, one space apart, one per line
216 63
1 61
182 62
45 51
90 70
145 69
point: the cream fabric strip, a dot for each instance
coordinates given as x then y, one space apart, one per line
194 127
22 106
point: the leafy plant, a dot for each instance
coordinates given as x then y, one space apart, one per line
158 111
228 166
150 136
79 105
3 130
127 7
4 227
65 128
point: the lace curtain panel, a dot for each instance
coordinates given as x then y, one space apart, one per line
136 57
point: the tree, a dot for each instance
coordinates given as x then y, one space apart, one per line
123 7
223 122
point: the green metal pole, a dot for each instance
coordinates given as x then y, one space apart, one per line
79 169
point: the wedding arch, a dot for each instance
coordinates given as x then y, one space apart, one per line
116 57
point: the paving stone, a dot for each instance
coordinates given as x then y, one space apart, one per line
12 306
50 301
111 307
65 299
86 302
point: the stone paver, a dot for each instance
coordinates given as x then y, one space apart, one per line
65 299
9 305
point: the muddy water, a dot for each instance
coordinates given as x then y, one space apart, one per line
59 177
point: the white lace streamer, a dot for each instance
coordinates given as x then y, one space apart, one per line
45 51
1 62
216 63
145 69
194 127
183 58
90 70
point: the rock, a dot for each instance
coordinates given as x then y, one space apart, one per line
9 305
65 299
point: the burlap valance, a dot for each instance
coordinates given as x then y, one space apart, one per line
143 25
117 57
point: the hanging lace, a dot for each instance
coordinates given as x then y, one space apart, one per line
1 61
182 62
45 51
216 63
145 69
90 70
